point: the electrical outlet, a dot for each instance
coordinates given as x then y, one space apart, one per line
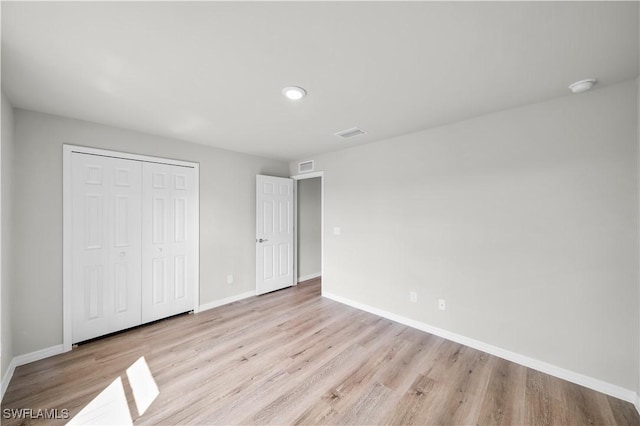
442 305
413 296
336 230
230 279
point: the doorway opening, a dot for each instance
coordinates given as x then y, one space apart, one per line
309 197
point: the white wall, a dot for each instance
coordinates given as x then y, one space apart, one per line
525 221
638 135
227 215
309 227
6 268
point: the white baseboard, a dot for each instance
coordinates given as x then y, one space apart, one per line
26 359
309 277
571 376
225 301
38 355
7 377
637 403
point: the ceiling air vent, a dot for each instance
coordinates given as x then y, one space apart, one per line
305 166
349 133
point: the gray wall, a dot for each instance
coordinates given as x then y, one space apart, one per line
6 179
309 227
227 215
525 221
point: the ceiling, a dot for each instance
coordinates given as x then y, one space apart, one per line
212 72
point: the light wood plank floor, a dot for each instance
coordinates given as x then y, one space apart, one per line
293 357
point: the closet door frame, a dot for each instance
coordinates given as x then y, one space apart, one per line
67 202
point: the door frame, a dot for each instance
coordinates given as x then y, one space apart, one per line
296 178
67 151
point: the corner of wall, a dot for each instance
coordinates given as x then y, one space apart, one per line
6 171
6 378
441 178
17 361
637 402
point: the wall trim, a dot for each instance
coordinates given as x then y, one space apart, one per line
637 403
225 301
553 370
308 175
30 357
7 377
38 355
309 277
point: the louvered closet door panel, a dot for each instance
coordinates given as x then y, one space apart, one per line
106 255
168 233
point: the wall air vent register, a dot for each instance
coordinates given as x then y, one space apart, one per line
305 166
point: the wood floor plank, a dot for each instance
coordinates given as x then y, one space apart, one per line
584 406
347 391
293 357
318 414
412 407
542 408
504 397
462 379
284 409
621 412
367 410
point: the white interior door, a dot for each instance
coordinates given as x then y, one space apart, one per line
274 233
170 240
106 213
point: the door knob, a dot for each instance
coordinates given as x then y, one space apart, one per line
262 240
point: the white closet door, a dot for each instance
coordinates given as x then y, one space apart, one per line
168 233
106 252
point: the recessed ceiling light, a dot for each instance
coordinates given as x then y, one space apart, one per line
582 85
294 93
